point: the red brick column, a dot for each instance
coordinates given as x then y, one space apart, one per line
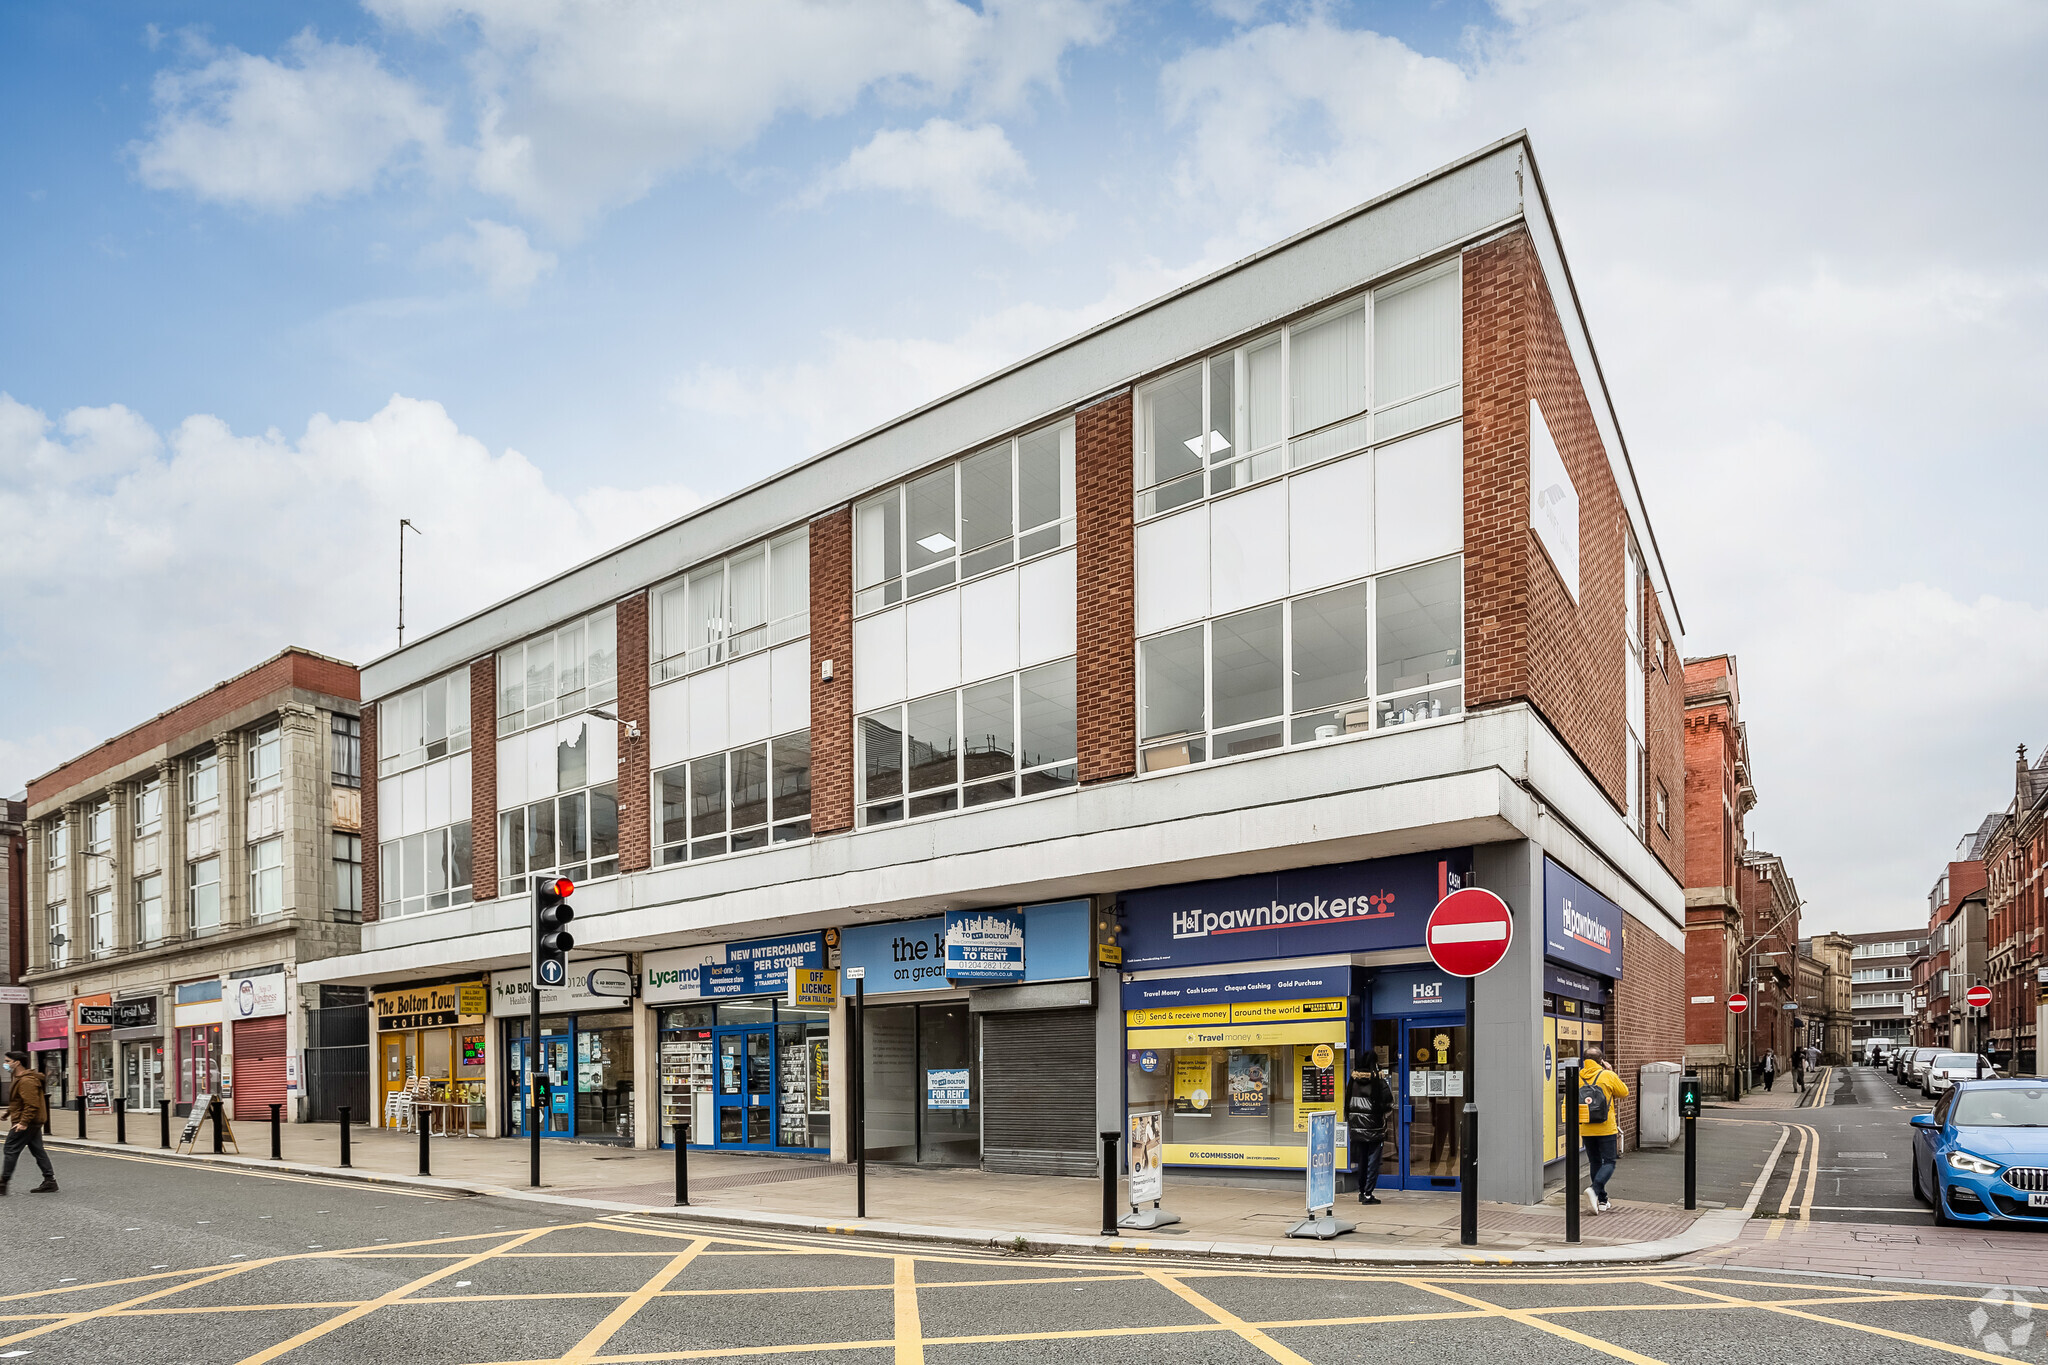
367 762
636 849
1105 592
1496 475
832 702
483 778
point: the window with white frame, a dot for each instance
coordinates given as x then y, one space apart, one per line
573 834
1663 809
99 908
1862 974
1009 503
1371 655
560 673
202 784
1008 737
1879 999
202 894
734 606
149 807
266 878
57 846
742 799
54 935
348 876
149 909
345 745
420 872
1369 370
431 721
99 827
266 759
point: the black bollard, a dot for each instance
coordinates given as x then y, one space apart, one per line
682 1140
81 1116
163 1109
1109 1182
1688 1108
420 1122
277 1132
214 1110
120 1121
344 1135
1571 1155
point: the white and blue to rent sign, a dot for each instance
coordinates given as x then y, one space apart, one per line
985 945
946 1089
1581 927
1342 908
1322 1160
757 966
910 955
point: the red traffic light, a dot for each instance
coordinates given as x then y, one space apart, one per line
563 887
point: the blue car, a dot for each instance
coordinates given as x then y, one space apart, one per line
1982 1155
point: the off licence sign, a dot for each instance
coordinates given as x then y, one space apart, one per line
1469 931
1737 1003
1979 997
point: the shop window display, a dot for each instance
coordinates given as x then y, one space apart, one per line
1254 1100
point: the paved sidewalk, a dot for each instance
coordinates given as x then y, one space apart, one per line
1785 1095
2017 1259
972 1205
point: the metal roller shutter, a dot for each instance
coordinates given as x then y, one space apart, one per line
259 1067
1038 1092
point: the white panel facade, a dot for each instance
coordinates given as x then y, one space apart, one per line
1248 549
437 775
540 763
747 705
668 724
604 750
789 687
988 626
511 772
878 664
708 722
932 643
1172 568
412 801
1330 524
389 813
458 787
1419 497
1045 609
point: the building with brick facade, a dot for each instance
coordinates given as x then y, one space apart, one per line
181 875
1718 797
1824 994
2016 883
1955 957
1769 959
1881 985
1120 718
13 915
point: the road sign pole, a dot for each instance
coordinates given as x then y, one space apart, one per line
533 1058
860 1099
1568 1086
1468 934
1468 1159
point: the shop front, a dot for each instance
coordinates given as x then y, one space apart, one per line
196 1021
745 1067
52 1047
138 1037
978 1038
92 1029
1246 1001
431 1054
584 1056
254 1006
1582 951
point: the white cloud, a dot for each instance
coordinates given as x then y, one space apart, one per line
196 556
585 105
324 122
969 173
501 256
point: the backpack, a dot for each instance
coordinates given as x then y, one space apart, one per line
1593 1099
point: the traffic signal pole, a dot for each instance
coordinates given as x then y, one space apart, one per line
550 967
533 1113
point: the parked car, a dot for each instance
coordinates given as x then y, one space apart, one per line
1982 1155
1901 1061
1944 1069
1916 1070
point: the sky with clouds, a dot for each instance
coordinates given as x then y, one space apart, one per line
539 274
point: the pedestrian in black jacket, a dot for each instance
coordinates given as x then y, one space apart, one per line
1367 1114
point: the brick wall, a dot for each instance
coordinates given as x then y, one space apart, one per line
832 702
483 778
1665 717
1525 639
1105 667
1649 1012
372 864
636 847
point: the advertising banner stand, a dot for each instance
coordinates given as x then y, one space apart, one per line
1148 1171
1322 1222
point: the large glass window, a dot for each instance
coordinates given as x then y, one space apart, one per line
573 835
266 759
149 910
348 876
742 603
558 674
202 784
420 872
54 935
202 894
99 827
1366 371
429 722
57 847
345 746
149 807
727 803
100 915
996 507
1318 667
995 741
266 878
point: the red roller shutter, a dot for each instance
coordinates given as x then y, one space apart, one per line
259 1067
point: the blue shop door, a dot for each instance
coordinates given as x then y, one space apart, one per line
1436 1074
558 1086
745 1058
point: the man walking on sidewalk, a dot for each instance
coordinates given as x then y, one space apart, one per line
1600 1096
1367 1111
28 1113
1799 1068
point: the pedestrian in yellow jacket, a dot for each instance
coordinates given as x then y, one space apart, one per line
1600 1120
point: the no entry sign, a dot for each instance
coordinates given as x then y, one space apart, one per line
1469 931
1737 1003
1979 997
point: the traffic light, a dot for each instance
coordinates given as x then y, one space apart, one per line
551 938
1689 1096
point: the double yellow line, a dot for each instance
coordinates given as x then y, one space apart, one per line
1808 1160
